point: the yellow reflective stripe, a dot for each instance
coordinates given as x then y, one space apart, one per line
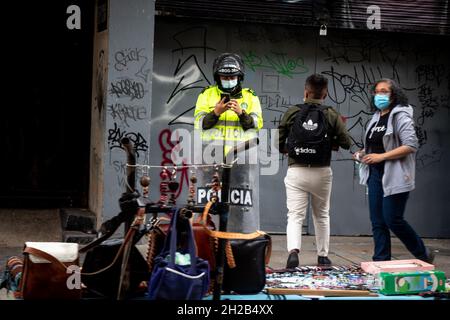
209 138
198 119
227 134
255 119
228 126
201 113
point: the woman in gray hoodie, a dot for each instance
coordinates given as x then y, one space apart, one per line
388 169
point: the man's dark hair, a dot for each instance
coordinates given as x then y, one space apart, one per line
317 84
397 96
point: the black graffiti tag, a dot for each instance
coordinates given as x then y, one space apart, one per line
355 87
421 135
128 88
123 57
429 103
132 55
115 135
358 122
190 85
126 113
428 159
188 73
100 77
346 51
198 33
430 73
275 103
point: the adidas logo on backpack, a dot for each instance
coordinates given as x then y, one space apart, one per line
308 141
310 125
304 150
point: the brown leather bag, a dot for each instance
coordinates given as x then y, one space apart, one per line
156 238
45 272
206 245
247 256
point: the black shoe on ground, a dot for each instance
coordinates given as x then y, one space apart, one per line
430 256
323 261
292 261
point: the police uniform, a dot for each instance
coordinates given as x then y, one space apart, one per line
230 129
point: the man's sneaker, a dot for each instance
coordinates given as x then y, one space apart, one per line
292 261
430 256
323 261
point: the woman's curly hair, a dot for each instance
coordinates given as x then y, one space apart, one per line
398 96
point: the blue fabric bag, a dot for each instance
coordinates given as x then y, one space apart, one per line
172 281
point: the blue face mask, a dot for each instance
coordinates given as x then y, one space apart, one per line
228 84
381 101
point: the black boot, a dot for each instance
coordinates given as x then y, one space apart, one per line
292 261
430 256
323 261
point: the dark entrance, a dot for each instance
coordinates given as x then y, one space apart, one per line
45 129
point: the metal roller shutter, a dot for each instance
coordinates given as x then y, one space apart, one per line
425 16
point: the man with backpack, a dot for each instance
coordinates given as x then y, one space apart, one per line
312 131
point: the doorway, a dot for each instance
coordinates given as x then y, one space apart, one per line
45 129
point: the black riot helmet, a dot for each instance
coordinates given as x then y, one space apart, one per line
228 64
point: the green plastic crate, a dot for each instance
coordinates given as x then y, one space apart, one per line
411 282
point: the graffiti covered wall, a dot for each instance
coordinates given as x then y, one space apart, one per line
278 60
128 91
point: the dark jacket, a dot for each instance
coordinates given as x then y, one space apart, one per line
336 130
211 119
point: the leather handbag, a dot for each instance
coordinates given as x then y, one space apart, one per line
173 279
106 282
45 274
103 271
206 244
246 274
156 239
247 256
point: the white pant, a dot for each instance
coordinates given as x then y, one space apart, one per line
301 182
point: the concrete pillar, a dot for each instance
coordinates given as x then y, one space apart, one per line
122 90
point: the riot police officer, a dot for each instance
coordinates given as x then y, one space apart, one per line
228 114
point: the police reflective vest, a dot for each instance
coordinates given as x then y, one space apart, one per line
228 127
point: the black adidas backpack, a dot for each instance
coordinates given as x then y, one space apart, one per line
308 141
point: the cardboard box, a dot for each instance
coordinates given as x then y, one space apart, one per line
376 267
391 283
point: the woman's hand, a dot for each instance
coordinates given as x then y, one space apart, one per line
358 155
373 158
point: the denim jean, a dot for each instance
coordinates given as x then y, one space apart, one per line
386 213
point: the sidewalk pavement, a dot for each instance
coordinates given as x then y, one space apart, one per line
354 250
343 251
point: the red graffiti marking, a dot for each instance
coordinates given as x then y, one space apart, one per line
167 146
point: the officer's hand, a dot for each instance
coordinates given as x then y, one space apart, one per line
220 107
234 105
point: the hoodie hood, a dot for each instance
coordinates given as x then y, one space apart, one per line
399 108
408 110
